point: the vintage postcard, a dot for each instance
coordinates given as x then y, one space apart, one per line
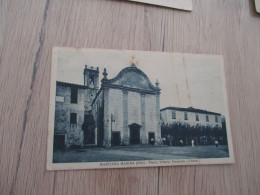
178 4
119 109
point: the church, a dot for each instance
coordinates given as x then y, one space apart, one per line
125 110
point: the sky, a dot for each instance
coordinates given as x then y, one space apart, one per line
185 79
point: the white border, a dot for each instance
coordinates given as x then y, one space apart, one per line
130 164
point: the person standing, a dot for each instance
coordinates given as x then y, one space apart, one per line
181 143
216 143
192 143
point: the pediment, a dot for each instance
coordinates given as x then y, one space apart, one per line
132 77
133 80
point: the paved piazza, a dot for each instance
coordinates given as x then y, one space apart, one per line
133 153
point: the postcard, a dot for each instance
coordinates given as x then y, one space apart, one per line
126 108
178 4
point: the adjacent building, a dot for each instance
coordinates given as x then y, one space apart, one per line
190 116
74 124
189 126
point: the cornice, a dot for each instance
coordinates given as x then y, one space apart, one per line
130 69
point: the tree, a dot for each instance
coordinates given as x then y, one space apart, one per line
202 135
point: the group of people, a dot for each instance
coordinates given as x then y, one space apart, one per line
193 143
160 142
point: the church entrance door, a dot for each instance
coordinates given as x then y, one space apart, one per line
151 138
116 138
134 133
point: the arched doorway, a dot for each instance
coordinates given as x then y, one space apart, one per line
134 133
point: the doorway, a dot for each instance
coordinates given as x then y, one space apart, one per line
151 138
59 142
116 139
134 133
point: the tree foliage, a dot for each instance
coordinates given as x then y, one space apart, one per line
202 135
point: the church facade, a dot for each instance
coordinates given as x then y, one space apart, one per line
127 109
124 111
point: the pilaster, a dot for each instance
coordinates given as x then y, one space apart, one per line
158 134
107 133
144 133
125 118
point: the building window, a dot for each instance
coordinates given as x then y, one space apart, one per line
74 96
207 118
73 118
173 114
185 116
197 117
216 119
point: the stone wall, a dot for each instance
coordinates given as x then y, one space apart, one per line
73 132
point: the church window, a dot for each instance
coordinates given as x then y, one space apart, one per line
73 118
185 116
74 96
207 118
216 119
173 114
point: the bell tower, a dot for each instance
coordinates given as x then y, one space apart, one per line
91 81
91 77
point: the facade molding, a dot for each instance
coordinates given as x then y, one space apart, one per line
131 69
142 91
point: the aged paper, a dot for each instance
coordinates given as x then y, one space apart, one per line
179 4
125 108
